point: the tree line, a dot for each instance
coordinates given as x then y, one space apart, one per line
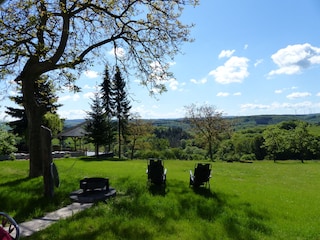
292 139
213 137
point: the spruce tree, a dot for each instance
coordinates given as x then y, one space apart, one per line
45 95
108 105
97 126
107 93
122 107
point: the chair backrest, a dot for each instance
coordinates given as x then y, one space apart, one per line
202 172
9 229
155 170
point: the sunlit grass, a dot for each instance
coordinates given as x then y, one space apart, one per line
262 200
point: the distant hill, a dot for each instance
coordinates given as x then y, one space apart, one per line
72 122
256 120
240 122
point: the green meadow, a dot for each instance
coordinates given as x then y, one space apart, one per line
259 200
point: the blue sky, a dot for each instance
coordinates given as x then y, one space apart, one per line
249 57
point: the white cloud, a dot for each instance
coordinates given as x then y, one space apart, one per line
88 87
279 106
74 97
294 58
245 46
154 112
223 94
237 94
278 91
120 52
318 94
159 76
201 81
254 106
72 114
234 70
226 53
173 84
298 95
88 95
258 62
91 74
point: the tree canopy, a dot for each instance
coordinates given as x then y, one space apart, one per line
208 123
62 35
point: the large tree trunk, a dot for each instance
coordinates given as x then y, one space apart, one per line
34 113
34 127
47 161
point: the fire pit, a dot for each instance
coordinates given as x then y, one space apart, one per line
93 190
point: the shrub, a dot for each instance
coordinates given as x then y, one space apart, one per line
145 154
7 143
250 156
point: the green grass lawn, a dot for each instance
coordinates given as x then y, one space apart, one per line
262 200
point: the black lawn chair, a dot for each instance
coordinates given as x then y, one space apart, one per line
201 176
9 229
156 172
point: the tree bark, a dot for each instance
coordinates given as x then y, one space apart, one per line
132 148
36 164
34 113
46 156
119 138
210 151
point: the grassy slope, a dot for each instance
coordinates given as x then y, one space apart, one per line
263 200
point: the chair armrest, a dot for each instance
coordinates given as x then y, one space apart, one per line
191 176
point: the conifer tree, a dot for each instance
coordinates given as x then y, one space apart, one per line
108 105
107 93
45 95
97 126
122 107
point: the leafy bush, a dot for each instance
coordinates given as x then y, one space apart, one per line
145 154
7 142
250 156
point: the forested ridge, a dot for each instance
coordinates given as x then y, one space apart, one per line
260 137
240 122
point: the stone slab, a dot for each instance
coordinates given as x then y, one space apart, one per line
35 225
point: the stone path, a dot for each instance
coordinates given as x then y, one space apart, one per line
35 225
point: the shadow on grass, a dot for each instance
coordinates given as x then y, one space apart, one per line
205 192
24 198
289 162
102 158
15 182
157 190
143 213
240 220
